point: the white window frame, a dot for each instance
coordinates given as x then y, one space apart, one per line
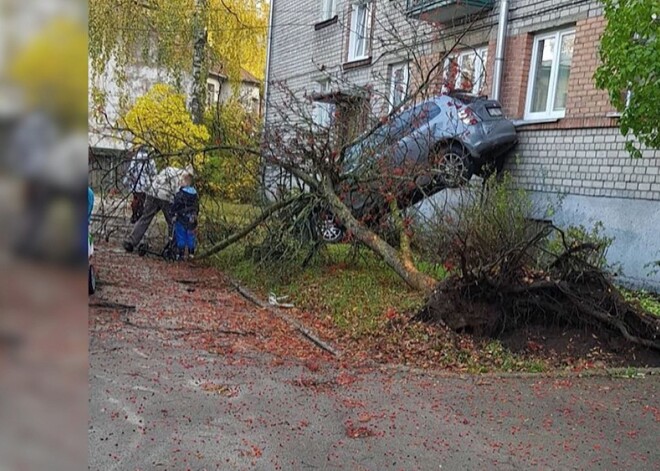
549 113
405 66
355 53
328 9
323 112
480 64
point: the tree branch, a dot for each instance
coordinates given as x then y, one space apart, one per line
232 239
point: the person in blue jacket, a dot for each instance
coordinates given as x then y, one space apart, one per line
90 208
185 210
90 204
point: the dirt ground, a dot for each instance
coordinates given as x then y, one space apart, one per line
562 345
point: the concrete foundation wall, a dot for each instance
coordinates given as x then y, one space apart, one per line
634 225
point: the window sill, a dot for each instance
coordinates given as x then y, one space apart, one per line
326 23
357 63
530 122
613 114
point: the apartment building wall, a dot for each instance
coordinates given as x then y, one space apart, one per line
581 158
307 50
578 159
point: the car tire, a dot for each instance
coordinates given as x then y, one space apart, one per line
450 165
327 228
91 280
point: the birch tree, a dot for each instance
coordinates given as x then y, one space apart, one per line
179 37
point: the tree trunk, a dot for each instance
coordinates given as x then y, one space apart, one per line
405 248
199 73
407 271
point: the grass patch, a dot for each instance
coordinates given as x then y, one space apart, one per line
231 213
648 301
490 356
352 287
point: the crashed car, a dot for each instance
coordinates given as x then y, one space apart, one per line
434 145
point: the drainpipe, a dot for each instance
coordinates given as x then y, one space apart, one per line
268 53
266 101
499 49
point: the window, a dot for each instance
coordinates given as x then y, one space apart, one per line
328 9
210 94
360 34
467 71
323 111
399 77
548 79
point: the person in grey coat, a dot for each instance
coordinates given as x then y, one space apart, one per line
159 198
139 177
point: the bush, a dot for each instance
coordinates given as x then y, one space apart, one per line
486 234
576 236
289 240
160 120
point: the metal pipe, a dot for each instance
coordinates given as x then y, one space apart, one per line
268 192
499 49
268 54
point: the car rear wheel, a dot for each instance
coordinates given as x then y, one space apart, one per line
328 229
450 165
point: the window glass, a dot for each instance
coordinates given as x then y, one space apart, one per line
565 57
327 9
399 84
549 75
466 71
360 32
545 52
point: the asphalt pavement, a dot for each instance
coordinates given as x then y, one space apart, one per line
160 402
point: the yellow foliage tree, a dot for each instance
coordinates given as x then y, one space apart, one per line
52 70
233 175
160 120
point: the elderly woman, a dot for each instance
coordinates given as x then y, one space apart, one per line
159 197
139 178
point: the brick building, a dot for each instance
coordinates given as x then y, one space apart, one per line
570 148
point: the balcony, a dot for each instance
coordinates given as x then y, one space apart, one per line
446 11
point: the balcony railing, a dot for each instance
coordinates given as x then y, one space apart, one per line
446 11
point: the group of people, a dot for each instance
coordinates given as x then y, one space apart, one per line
170 191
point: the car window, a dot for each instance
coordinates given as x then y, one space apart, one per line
403 123
399 125
415 117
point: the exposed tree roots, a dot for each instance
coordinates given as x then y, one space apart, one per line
585 298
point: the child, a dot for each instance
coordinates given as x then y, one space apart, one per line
184 210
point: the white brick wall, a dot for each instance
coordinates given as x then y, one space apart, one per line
590 162
302 55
